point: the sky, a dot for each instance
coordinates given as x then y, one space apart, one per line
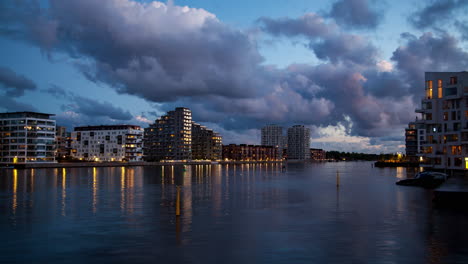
350 70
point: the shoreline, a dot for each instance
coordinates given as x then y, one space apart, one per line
128 164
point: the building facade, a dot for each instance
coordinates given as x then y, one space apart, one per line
298 143
318 154
444 110
206 144
415 136
170 137
107 143
63 142
249 153
272 135
27 137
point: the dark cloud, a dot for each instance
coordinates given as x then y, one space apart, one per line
359 14
156 51
437 12
87 106
310 25
326 40
426 54
14 84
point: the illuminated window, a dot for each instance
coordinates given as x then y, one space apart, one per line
429 89
439 88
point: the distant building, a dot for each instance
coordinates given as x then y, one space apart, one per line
249 153
27 137
63 142
170 137
272 135
444 112
298 143
206 144
317 154
107 143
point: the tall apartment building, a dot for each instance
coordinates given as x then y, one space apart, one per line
444 112
170 137
298 143
27 137
415 135
107 143
206 144
272 135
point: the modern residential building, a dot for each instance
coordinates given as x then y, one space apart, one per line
272 135
298 143
27 137
206 144
107 143
63 142
249 153
444 112
317 154
170 137
415 136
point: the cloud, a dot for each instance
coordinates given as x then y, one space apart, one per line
153 50
357 14
327 41
437 13
310 25
14 84
87 106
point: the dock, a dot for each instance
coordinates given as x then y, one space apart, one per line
453 192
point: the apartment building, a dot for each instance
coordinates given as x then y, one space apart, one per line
272 135
245 152
298 143
107 143
170 137
444 111
206 144
27 137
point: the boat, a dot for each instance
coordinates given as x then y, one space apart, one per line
426 179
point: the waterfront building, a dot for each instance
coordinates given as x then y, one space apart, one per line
107 143
272 135
170 137
206 144
27 137
317 154
298 143
245 152
415 136
63 142
444 110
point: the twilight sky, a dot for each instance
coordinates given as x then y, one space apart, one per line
351 70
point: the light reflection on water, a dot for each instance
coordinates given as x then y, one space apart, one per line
230 213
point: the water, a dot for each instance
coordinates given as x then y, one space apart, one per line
230 214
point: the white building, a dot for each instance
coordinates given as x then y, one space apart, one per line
107 143
444 112
298 143
27 137
272 135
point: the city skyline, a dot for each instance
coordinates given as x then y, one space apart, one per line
351 71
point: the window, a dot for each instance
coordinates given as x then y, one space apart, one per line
439 88
453 80
429 89
446 116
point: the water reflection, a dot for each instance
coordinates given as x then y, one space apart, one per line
240 213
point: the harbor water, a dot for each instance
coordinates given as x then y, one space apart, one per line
262 213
